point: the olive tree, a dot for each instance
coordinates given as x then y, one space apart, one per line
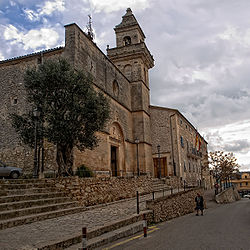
71 110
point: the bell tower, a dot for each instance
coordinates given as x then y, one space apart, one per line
132 57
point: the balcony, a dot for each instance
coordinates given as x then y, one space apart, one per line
194 153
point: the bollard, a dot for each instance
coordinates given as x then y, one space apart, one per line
153 195
145 225
84 238
137 198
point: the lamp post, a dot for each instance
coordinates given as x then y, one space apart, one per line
172 143
36 114
137 156
159 161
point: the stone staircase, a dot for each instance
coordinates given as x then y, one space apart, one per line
27 201
159 184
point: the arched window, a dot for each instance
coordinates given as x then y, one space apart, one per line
127 40
127 71
115 88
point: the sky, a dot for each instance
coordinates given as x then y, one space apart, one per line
201 50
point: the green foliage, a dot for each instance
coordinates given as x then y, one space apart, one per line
71 110
84 171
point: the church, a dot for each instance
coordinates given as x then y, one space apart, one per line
138 139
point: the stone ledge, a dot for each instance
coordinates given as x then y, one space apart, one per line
99 231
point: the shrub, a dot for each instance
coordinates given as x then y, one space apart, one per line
84 171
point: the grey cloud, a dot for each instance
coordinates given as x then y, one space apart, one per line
242 146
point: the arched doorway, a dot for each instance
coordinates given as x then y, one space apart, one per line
116 140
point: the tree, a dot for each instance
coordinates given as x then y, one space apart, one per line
224 165
71 110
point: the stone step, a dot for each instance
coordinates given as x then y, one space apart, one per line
31 191
32 203
63 242
38 217
23 181
24 197
161 186
35 210
25 186
112 236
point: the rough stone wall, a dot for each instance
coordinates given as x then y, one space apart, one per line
92 191
13 100
173 181
227 196
169 207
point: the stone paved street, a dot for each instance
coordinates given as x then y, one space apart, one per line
38 234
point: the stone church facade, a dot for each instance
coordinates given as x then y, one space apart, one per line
122 75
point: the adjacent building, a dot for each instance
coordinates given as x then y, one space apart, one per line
182 150
159 141
243 182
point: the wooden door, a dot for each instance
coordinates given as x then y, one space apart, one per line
114 161
163 166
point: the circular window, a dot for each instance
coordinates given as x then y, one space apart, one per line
115 88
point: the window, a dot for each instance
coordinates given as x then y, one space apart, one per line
115 88
185 167
241 184
246 183
15 100
189 166
182 142
127 40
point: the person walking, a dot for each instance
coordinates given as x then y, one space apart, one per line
199 204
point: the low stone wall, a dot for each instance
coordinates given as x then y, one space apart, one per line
227 196
93 191
172 206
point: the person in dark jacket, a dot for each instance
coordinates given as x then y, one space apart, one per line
199 204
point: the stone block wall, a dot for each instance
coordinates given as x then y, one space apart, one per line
172 206
13 100
227 196
93 191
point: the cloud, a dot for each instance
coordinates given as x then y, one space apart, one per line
1 56
33 39
108 6
50 6
45 9
31 15
242 146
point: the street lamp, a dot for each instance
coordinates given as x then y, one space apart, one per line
137 141
36 114
159 161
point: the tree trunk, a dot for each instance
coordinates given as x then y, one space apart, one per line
64 159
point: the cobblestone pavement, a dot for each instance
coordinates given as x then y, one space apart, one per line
38 234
